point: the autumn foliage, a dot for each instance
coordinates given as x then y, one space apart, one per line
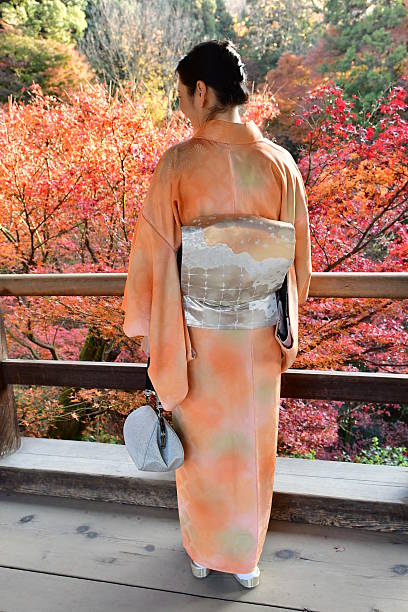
73 175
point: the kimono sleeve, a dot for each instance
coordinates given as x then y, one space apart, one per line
303 257
137 296
152 298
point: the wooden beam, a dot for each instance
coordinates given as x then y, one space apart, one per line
305 384
323 284
359 284
321 492
84 374
112 283
345 386
10 439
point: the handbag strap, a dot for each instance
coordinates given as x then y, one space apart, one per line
149 389
149 384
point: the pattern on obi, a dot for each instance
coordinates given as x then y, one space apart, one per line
231 268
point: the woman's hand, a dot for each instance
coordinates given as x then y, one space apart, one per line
145 345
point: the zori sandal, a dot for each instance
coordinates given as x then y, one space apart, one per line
249 580
199 571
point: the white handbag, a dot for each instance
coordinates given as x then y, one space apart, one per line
150 440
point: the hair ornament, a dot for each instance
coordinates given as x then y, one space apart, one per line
229 47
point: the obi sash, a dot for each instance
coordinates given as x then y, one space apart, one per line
232 268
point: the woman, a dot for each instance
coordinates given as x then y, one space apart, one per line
221 385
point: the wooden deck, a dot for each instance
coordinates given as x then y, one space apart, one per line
373 497
82 530
78 555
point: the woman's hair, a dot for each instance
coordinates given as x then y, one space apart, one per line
219 65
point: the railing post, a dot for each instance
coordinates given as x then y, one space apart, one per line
10 439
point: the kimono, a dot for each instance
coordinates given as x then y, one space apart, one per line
222 386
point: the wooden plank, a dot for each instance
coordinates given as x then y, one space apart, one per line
25 590
345 386
322 284
306 384
359 284
318 492
113 459
291 467
302 567
84 374
81 283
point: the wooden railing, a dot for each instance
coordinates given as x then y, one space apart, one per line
304 384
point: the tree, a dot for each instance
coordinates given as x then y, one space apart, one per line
224 22
36 45
355 171
140 43
54 66
73 176
369 38
268 28
60 20
345 13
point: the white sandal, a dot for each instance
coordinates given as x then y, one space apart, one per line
250 580
199 571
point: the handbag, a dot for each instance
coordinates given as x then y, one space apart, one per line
150 440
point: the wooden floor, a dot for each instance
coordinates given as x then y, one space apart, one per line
70 555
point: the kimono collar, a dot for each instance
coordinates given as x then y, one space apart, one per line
229 131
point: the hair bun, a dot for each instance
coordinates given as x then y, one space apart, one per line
219 64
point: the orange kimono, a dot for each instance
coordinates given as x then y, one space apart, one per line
221 385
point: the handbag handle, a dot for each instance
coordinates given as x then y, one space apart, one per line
150 390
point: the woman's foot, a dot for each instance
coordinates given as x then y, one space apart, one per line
199 571
249 580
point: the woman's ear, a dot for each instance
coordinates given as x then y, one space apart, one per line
202 89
